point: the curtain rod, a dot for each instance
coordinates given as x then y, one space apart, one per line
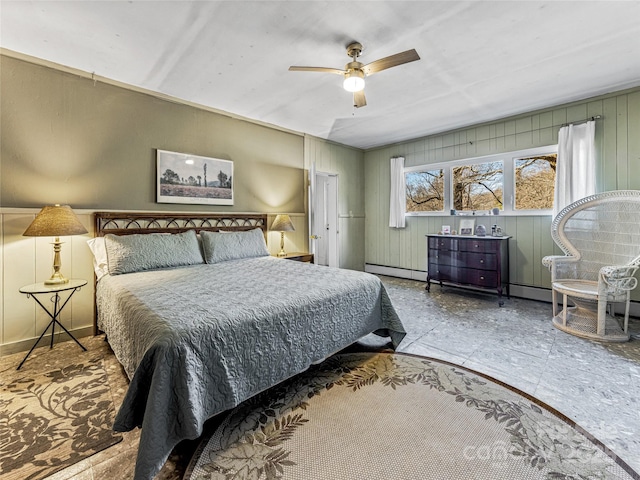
471 142
590 119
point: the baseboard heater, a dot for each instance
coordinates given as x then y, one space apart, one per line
520 291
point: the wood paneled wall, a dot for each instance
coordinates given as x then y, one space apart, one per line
27 260
348 164
618 163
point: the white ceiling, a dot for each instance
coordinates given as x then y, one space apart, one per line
480 61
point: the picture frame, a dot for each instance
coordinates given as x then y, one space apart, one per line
446 229
193 179
467 226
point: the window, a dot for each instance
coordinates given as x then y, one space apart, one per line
535 182
478 186
519 182
425 191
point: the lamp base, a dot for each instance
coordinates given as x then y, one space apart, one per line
56 279
282 253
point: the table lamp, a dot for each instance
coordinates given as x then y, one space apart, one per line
55 221
282 223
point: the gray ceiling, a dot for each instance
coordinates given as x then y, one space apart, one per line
479 60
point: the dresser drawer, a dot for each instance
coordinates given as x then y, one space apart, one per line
445 257
480 261
442 273
443 243
474 245
478 278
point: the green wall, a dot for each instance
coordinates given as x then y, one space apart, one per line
66 139
618 164
348 164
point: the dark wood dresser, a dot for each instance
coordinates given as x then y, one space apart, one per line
479 262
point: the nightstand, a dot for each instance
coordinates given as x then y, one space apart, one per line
299 257
72 286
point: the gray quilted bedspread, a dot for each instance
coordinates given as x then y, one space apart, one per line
196 341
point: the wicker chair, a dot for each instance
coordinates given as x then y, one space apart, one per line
600 236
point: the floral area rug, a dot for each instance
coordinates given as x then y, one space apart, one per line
395 416
51 420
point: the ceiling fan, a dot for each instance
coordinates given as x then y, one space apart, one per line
354 71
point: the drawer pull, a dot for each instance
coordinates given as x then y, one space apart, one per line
481 261
477 246
481 278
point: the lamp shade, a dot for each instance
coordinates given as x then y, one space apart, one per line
55 221
282 223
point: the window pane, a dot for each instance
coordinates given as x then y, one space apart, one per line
535 180
425 191
478 186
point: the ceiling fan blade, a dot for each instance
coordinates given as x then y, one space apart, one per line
317 69
358 99
390 61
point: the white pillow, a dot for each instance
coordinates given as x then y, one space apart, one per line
220 247
100 265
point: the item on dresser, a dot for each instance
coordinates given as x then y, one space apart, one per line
466 226
479 262
481 231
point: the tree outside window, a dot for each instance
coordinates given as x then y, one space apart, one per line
535 182
425 191
516 183
478 186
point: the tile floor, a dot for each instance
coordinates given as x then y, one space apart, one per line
596 385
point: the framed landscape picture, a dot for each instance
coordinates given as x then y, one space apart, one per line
185 178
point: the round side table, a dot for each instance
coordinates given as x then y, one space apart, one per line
72 286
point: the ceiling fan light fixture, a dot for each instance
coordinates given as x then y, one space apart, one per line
354 81
354 71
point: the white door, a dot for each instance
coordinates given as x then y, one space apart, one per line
324 218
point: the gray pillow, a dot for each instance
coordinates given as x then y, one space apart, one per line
139 252
220 247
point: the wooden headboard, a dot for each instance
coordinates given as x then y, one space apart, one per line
126 223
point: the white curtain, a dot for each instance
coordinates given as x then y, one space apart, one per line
398 199
576 165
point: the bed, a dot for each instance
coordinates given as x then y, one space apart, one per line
199 335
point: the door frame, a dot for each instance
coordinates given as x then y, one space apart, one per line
333 250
